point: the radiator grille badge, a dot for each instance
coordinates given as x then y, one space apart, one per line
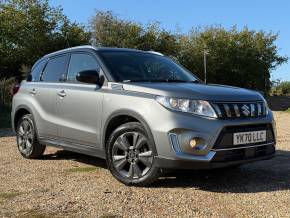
245 110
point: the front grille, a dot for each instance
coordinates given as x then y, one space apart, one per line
225 139
239 109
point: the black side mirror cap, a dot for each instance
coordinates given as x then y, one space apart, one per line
88 76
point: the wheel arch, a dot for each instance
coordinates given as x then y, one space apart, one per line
133 116
19 112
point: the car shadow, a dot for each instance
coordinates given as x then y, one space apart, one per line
262 176
82 158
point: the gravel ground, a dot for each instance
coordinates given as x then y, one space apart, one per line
65 184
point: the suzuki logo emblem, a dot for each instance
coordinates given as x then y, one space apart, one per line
245 110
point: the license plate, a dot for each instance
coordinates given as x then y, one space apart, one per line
249 137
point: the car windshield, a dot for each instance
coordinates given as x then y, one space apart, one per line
130 66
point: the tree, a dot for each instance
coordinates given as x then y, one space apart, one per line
240 58
109 30
31 28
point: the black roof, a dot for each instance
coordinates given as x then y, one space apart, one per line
90 47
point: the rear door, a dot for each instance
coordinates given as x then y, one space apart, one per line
45 92
79 104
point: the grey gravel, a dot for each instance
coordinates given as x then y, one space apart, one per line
66 184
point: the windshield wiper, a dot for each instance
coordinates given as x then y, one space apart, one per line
170 80
162 80
195 81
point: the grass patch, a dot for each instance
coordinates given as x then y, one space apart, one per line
8 195
288 110
108 216
81 169
36 214
5 119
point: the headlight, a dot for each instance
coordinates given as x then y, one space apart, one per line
266 106
197 107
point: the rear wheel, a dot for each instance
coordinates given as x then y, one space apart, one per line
27 143
130 155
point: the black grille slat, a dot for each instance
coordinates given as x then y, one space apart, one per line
239 109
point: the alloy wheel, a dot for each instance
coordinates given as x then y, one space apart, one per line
131 154
25 137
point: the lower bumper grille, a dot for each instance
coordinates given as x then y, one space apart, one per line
243 154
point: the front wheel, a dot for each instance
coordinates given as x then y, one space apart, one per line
130 155
27 143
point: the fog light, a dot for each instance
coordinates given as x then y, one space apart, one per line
192 143
197 143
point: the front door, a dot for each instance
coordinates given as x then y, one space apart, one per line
79 105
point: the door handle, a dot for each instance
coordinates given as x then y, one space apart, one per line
33 91
62 93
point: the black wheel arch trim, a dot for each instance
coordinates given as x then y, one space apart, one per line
30 112
126 112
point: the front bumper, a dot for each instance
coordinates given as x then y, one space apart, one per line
220 159
184 127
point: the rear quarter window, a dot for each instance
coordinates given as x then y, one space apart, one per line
55 69
36 72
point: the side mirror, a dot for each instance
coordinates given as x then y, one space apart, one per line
88 76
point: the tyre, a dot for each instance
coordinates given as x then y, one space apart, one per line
27 143
130 155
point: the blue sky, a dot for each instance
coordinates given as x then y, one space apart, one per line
256 14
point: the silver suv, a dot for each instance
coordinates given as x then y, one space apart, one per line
140 111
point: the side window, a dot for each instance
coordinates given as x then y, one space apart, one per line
81 62
36 71
54 70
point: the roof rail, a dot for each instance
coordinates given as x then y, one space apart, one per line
155 52
70 49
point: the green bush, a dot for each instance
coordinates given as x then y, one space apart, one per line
282 88
6 86
5 119
285 88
